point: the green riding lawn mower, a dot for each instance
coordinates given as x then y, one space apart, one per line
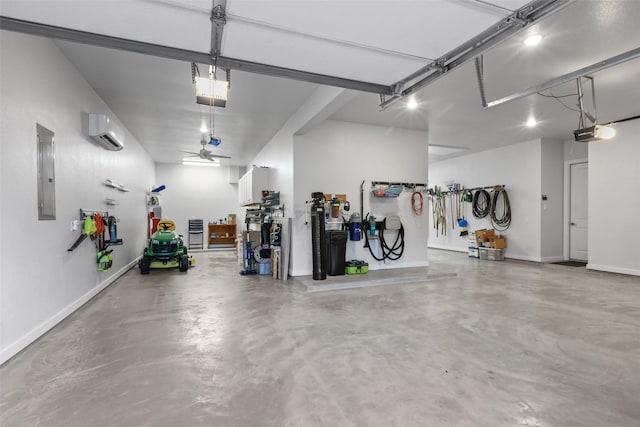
165 249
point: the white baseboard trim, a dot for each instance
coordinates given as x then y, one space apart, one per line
523 257
20 344
552 259
506 255
609 269
447 248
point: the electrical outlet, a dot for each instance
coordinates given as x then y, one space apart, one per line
74 225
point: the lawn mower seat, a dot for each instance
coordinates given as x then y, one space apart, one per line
166 224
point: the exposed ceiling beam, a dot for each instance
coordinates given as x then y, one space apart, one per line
489 38
583 72
218 21
77 36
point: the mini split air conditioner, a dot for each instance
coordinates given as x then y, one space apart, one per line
105 132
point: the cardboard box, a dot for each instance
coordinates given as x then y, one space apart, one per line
498 242
488 235
484 236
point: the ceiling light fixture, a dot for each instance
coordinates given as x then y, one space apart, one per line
197 163
533 40
594 133
532 122
412 104
211 91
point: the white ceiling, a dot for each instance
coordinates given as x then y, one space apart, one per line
580 35
155 99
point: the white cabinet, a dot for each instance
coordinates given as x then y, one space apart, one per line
251 184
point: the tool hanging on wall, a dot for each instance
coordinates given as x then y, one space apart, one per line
88 229
452 206
439 210
462 212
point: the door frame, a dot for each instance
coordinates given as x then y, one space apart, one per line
567 205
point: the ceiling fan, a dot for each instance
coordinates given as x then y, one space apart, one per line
206 154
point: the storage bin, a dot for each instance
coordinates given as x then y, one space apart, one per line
473 252
492 254
264 268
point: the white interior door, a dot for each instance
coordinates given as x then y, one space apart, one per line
578 248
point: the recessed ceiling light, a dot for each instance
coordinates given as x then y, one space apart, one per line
531 122
533 40
412 104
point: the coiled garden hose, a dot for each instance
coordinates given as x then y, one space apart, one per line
391 253
481 203
502 222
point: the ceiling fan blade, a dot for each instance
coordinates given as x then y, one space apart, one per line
190 152
218 156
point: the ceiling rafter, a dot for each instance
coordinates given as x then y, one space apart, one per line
218 21
491 37
582 72
94 39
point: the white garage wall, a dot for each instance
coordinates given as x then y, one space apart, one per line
552 209
516 166
277 154
336 157
196 192
614 175
40 282
575 150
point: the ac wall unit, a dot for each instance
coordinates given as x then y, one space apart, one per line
105 132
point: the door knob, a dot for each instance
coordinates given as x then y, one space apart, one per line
573 223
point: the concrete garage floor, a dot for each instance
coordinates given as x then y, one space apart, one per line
503 344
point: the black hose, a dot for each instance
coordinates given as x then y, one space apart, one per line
392 253
481 203
504 221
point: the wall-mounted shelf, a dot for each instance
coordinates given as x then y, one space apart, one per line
109 183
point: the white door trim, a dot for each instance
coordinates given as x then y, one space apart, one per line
567 204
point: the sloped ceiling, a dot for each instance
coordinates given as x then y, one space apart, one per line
372 41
